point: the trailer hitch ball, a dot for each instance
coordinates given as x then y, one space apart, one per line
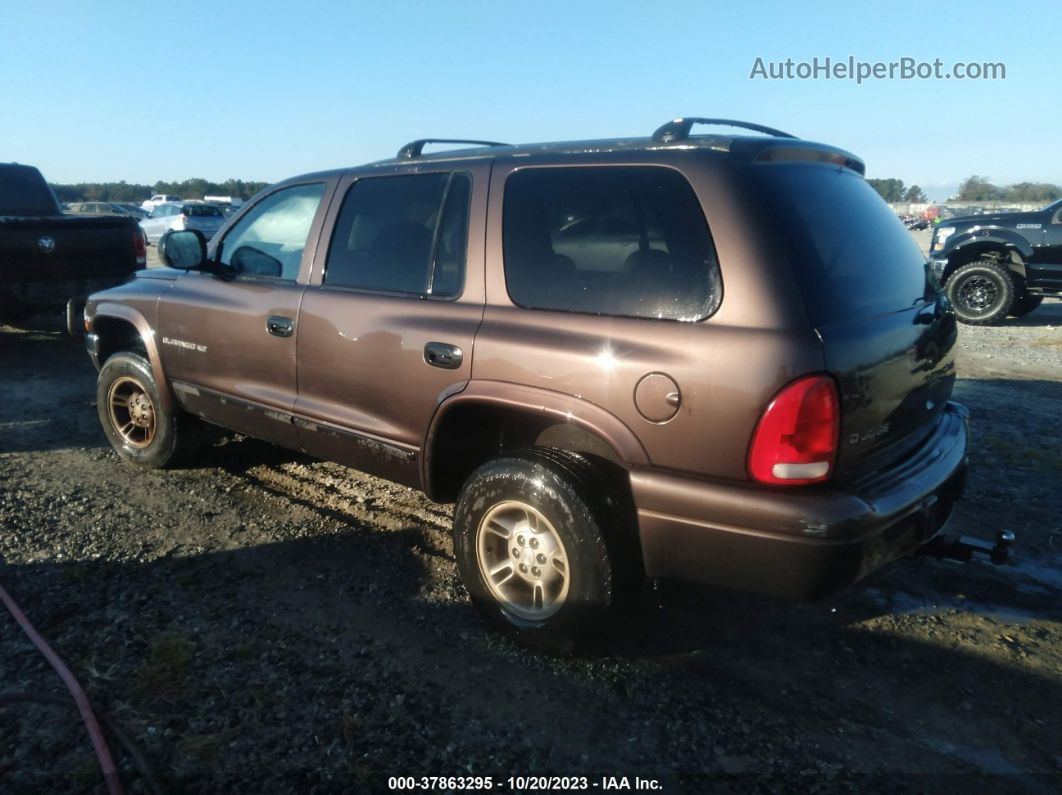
1001 551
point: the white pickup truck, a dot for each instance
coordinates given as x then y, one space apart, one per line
159 198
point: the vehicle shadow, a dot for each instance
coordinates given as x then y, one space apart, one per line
1049 313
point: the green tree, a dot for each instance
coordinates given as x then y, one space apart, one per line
1032 192
976 188
915 195
891 189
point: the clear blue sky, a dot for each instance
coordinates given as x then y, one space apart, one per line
148 90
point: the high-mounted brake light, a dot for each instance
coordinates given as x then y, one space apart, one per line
795 442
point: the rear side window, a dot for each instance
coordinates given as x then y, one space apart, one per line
403 234
609 240
851 255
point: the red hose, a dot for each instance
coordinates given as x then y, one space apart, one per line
103 753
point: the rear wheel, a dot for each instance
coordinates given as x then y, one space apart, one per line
982 292
1026 304
538 541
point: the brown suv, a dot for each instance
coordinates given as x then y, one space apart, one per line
715 358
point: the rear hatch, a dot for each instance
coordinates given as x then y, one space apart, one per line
886 331
204 217
57 248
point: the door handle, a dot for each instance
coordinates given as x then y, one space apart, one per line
440 354
280 326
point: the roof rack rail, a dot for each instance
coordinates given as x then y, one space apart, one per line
679 129
414 148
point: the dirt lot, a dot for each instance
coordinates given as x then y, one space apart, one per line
263 622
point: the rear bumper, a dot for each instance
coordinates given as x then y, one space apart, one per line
800 543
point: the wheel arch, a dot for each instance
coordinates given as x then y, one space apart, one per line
121 328
1009 250
491 418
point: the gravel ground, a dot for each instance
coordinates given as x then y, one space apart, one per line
264 622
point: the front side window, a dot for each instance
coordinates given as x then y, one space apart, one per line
402 234
608 240
270 238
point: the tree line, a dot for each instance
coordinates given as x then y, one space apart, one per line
893 190
974 188
977 188
195 188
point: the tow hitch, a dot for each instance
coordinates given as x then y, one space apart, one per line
959 547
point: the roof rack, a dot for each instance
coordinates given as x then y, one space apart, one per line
414 148
679 129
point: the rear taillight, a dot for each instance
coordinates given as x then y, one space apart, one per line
796 438
140 247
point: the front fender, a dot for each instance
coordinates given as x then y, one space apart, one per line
979 235
147 336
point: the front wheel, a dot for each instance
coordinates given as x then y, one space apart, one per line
982 293
536 540
130 408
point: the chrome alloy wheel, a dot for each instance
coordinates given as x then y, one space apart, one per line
522 560
131 412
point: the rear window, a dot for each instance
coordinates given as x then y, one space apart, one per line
201 211
23 191
852 256
608 240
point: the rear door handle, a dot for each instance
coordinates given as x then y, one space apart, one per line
441 354
280 326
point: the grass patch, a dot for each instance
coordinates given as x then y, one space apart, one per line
168 659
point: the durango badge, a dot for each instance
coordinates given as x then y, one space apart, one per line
188 346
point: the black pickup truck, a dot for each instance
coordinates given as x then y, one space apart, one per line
993 266
47 258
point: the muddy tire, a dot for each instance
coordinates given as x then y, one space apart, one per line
1026 304
540 538
131 413
982 293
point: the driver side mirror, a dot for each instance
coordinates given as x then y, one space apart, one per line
184 249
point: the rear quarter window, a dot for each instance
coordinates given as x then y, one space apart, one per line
609 240
851 255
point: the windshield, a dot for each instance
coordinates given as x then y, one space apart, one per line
23 191
851 255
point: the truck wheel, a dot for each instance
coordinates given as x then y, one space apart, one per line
1026 304
130 410
537 541
982 293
